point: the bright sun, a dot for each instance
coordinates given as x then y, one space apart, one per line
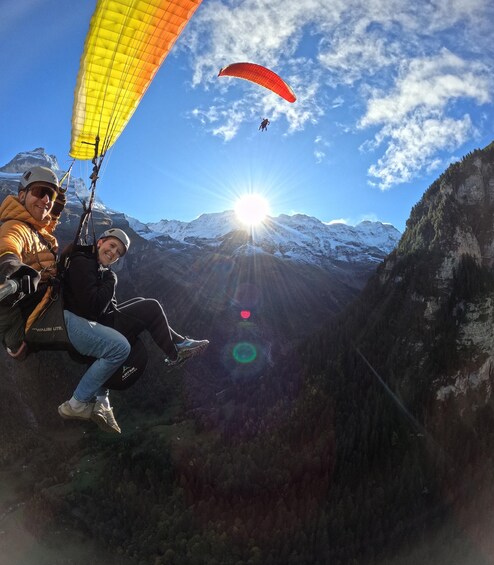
251 209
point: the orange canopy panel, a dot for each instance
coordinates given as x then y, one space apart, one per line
260 75
127 42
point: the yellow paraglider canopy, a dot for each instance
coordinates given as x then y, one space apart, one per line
127 42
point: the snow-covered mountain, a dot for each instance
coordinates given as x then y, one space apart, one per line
298 238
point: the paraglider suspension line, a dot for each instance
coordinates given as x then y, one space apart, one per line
88 208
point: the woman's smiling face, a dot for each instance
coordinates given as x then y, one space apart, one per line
110 250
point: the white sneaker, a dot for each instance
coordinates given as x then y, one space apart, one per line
103 417
83 413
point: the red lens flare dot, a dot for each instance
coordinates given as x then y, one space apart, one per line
245 314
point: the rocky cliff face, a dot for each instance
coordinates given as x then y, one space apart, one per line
425 319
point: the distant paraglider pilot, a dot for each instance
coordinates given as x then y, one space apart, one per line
264 124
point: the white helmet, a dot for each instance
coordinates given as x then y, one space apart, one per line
119 234
39 174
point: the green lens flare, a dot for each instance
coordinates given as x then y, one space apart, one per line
244 352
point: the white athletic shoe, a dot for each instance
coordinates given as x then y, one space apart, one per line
103 417
84 413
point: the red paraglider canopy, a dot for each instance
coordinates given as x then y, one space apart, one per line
260 75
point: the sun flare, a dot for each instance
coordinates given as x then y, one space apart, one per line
251 209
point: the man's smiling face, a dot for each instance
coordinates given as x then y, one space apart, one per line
38 201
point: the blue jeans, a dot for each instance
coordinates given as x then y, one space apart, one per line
109 347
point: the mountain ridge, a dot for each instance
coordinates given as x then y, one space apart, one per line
299 237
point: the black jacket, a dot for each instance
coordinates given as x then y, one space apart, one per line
89 288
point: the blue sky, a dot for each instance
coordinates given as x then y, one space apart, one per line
388 94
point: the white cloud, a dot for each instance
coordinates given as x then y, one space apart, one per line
338 221
220 122
369 217
430 83
350 56
337 102
447 13
414 119
320 146
412 147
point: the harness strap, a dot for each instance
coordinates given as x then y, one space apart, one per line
21 353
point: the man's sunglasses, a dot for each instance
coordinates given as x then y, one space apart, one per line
40 191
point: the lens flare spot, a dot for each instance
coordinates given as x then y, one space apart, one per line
244 352
245 314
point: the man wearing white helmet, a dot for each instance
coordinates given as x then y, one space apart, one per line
99 327
28 250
